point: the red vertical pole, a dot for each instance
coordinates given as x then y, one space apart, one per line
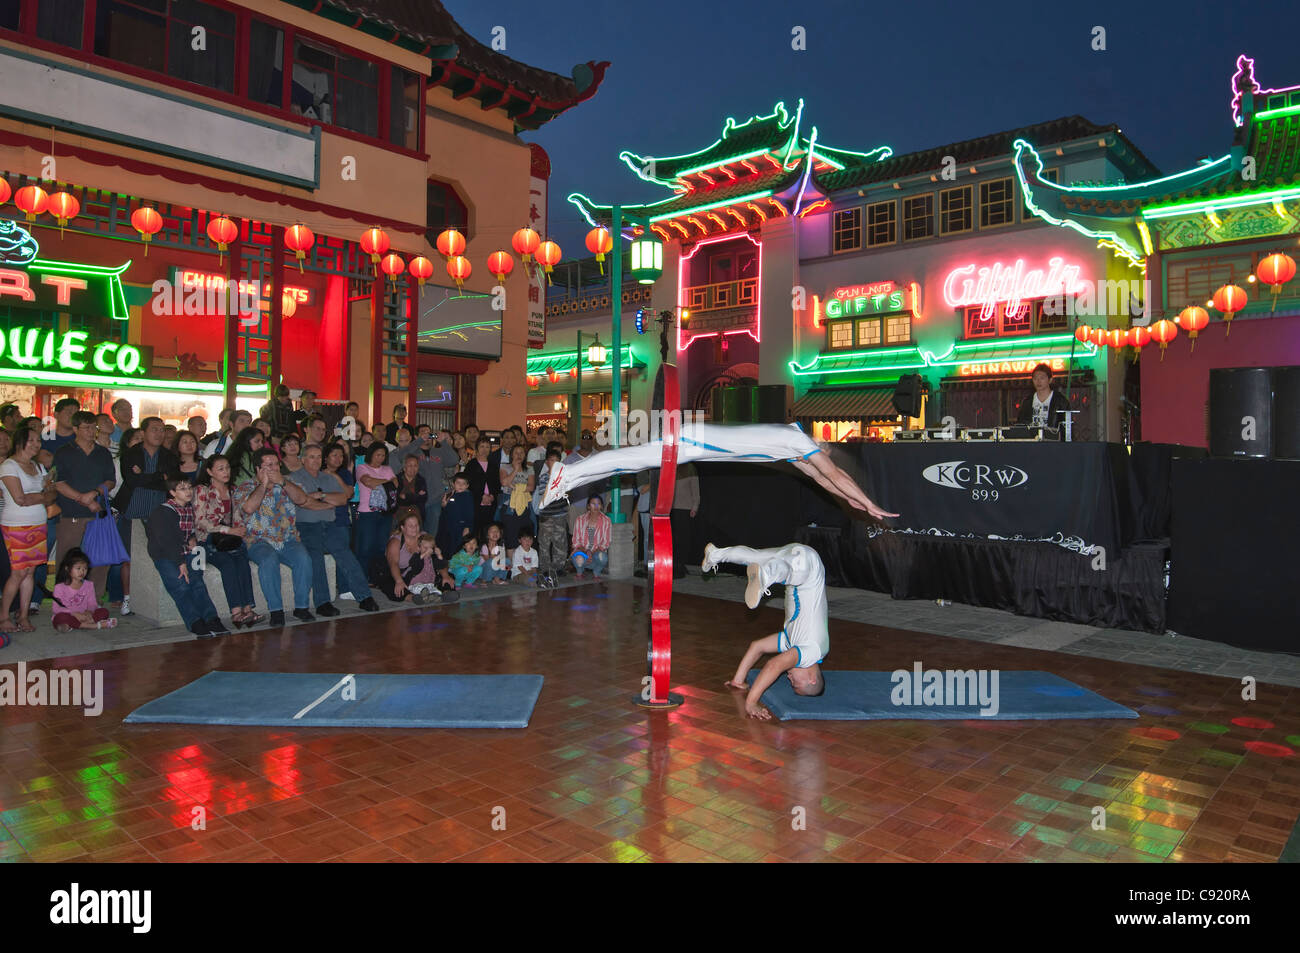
234 269
376 349
277 306
412 349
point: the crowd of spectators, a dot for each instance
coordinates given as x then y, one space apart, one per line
403 510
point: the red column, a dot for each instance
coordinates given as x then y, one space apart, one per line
412 350
376 350
277 306
234 271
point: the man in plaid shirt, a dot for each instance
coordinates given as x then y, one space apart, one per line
591 532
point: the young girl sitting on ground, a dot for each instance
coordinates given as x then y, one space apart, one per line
75 601
466 566
496 567
426 573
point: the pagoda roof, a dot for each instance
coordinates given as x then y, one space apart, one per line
995 146
1270 136
470 69
756 169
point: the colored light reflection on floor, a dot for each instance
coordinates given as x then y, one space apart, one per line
1269 750
1259 724
1160 734
1158 710
1152 690
1209 728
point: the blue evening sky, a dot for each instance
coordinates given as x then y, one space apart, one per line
908 75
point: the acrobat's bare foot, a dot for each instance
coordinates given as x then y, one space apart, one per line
741 686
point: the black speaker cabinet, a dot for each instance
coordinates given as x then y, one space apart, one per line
1286 413
733 405
772 403
1241 412
907 395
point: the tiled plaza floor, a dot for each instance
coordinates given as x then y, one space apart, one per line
1202 776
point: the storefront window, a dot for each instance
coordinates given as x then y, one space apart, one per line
869 332
266 64
213 66
10 10
59 21
335 88
445 210
842 334
404 109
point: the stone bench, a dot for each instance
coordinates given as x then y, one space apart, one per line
149 598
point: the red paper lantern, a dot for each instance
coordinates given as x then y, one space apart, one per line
551 375
525 242
451 243
1275 270
548 253
222 231
1138 338
392 265
501 264
5 190
1082 333
1193 320
421 268
1164 331
299 239
600 241
532 381
459 268
374 242
573 372
64 207
31 199
1117 338
147 222
1098 337
1230 299
288 304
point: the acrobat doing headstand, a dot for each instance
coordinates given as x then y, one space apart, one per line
798 649
745 443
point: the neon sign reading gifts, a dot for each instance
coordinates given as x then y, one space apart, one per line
991 285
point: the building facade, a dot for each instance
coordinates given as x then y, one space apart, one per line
168 122
1210 227
832 272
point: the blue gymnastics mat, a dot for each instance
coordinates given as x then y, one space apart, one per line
866 696
381 701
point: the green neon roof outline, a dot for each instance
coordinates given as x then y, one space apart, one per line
1122 248
1027 343
1226 202
695 210
1280 111
540 362
714 165
1084 189
116 293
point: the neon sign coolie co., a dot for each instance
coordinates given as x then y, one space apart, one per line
991 285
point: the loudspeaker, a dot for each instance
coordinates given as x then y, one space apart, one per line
1241 412
732 405
907 395
1286 413
771 403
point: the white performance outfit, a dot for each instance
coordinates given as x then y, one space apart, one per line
800 569
752 443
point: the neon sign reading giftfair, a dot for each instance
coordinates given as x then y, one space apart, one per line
990 285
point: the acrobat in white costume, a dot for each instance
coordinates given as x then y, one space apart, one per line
798 649
750 443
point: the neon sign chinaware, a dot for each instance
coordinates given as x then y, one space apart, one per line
39 349
991 285
1022 366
